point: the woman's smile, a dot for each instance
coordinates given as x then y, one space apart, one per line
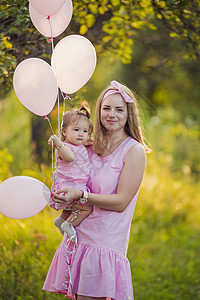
111 121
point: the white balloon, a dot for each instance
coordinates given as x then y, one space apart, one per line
35 86
73 61
22 197
47 7
56 24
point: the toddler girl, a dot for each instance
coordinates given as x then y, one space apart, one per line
72 167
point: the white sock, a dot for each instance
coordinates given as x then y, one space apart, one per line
58 222
70 230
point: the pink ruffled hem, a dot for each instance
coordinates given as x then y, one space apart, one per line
112 279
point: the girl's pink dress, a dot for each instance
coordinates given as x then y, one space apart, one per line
99 266
73 174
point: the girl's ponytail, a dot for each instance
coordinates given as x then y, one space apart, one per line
87 113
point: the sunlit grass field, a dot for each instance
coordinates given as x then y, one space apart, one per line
163 251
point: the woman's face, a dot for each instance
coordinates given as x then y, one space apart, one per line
114 113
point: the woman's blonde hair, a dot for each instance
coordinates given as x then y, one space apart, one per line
132 127
72 116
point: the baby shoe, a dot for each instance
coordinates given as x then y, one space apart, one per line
70 230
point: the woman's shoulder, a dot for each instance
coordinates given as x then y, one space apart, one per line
133 148
135 152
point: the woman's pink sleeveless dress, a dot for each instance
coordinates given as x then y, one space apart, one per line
99 266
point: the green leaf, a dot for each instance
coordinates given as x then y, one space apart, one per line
83 29
152 26
106 39
115 2
90 20
102 10
93 8
173 34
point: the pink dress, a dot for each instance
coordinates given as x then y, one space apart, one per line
73 174
99 266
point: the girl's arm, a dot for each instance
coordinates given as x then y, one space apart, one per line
128 184
64 151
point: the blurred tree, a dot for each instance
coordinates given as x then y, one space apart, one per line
113 25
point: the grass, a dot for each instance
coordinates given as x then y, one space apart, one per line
163 250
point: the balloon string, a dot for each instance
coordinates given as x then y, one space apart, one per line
59 133
52 154
51 37
52 160
46 118
64 105
54 174
70 250
52 44
65 98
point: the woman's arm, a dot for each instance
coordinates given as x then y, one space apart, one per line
64 151
128 185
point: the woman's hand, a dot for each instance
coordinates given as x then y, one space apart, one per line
66 195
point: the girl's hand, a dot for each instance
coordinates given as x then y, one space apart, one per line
55 139
89 142
66 195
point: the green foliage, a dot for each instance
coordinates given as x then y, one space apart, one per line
5 161
7 62
164 236
24 247
110 25
14 23
16 133
176 144
182 19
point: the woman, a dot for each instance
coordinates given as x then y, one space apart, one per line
99 267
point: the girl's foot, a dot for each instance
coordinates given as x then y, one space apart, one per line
58 222
70 230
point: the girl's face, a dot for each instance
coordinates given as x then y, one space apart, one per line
77 132
114 113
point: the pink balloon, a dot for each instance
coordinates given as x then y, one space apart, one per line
47 7
22 197
35 86
73 61
56 24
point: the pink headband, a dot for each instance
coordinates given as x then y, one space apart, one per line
117 90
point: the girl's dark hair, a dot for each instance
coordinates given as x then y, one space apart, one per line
87 113
74 115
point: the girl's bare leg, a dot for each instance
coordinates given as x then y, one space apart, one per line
84 213
61 218
65 214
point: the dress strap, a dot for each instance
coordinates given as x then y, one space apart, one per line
129 143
